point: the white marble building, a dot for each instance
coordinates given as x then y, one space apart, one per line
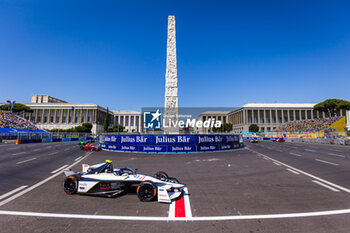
131 120
53 113
270 116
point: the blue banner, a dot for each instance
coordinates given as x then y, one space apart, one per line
171 143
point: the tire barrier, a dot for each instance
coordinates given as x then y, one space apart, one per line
171 143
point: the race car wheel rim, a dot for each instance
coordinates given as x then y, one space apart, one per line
146 192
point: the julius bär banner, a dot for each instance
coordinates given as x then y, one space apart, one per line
171 143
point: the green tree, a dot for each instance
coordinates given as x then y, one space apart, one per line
87 126
84 128
332 106
106 122
118 128
227 127
253 128
17 108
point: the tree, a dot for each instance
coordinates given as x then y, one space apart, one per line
106 122
117 128
227 127
84 128
253 128
17 108
87 126
332 106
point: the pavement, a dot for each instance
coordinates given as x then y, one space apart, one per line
264 187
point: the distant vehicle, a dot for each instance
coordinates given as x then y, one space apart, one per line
280 140
90 146
102 180
84 142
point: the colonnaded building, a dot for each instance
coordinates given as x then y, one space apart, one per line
270 116
52 113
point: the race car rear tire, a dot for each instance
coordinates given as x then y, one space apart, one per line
147 191
161 175
71 185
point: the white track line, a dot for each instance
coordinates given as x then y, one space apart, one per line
213 218
77 158
277 164
19 153
26 161
13 191
310 150
66 149
305 173
293 171
187 204
326 186
171 213
58 169
295 154
323 161
53 153
335 150
38 184
343 156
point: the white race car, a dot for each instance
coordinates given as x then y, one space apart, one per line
102 180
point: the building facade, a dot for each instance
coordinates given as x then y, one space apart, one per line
130 120
52 113
213 115
270 116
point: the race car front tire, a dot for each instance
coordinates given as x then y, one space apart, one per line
71 185
147 191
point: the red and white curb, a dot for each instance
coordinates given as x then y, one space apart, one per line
181 208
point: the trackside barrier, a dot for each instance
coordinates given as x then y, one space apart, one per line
340 141
30 140
171 143
47 140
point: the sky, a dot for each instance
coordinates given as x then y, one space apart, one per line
229 53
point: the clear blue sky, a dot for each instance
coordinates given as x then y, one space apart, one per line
113 53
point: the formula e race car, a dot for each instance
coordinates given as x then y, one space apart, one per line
89 146
102 180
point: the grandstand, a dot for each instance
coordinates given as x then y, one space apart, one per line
13 126
332 127
10 120
309 126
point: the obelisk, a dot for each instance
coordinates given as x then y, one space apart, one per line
171 107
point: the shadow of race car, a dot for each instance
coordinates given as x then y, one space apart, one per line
102 180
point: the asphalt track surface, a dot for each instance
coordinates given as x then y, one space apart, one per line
264 187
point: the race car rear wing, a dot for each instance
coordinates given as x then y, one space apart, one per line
68 172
